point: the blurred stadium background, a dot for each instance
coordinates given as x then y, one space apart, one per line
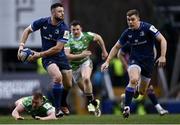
107 18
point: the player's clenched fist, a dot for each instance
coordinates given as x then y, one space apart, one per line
104 66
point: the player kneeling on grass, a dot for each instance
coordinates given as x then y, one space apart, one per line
36 105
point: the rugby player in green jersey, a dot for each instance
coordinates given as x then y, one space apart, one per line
37 106
77 52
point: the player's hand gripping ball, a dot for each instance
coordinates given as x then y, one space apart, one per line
25 54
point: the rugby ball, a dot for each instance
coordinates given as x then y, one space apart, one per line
25 54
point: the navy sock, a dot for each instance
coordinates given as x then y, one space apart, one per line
152 96
57 91
64 97
129 95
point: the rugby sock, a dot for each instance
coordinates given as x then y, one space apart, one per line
152 96
91 99
64 96
158 107
129 93
57 91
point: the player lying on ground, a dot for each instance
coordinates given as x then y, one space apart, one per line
37 106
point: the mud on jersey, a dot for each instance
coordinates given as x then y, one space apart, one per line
77 46
41 111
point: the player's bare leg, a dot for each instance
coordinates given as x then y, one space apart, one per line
134 76
93 104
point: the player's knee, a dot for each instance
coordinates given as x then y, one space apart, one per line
57 79
134 81
86 80
150 89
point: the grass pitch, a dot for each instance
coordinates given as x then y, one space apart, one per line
104 119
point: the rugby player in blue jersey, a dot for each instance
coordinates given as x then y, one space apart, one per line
123 55
141 36
54 34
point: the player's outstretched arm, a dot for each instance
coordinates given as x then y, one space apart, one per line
112 54
18 109
121 56
100 41
162 59
51 116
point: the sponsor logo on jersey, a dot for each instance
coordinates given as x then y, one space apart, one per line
142 33
57 31
47 38
153 29
66 34
129 36
136 40
139 43
44 27
50 35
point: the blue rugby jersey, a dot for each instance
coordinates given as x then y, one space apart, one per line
141 41
51 34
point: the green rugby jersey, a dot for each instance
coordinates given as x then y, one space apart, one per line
78 45
41 111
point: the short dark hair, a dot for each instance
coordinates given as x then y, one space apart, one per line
37 95
55 5
132 12
75 23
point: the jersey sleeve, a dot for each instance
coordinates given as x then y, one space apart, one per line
26 102
90 36
67 45
153 31
123 38
37 24
49 108
64 34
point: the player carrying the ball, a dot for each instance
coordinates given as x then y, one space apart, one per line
54 34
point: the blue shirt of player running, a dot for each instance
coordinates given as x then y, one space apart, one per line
141 41
51 34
